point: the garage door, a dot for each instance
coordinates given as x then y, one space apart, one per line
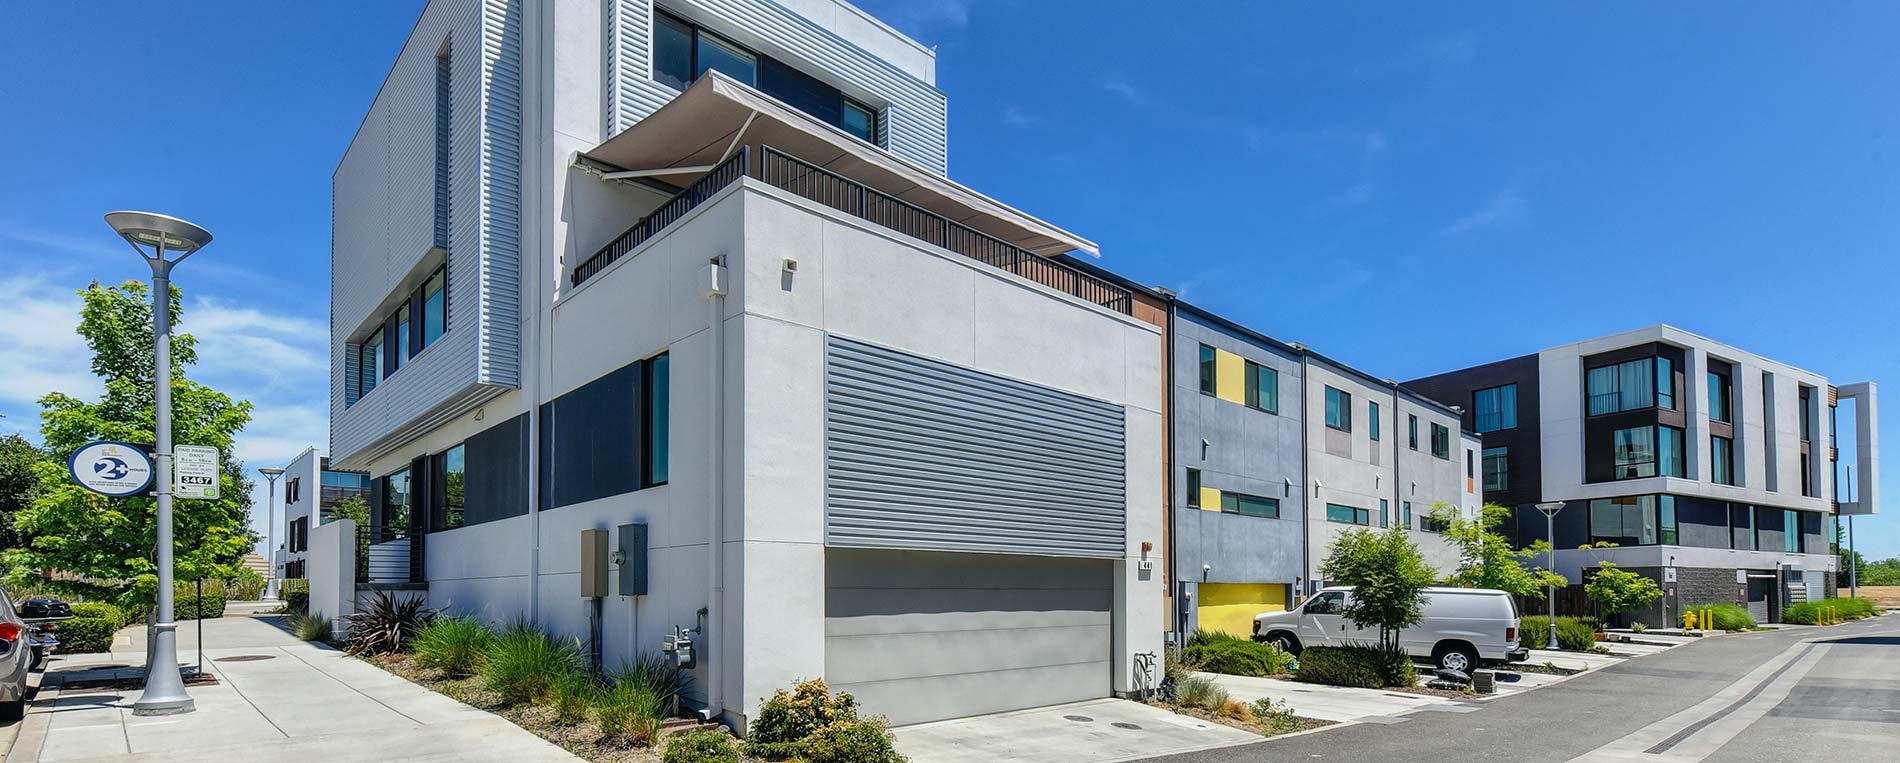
1231 607
921 636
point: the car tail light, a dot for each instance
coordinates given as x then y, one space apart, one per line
1510 635
9 632
1256 627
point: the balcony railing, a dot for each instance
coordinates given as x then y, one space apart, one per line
388 555
784 171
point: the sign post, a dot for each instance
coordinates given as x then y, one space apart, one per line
196 472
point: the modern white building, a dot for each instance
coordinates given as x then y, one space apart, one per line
690 272
309 490
1697 463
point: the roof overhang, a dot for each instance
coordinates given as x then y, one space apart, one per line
717 115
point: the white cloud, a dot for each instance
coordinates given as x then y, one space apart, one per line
1506 206
39 351
245 346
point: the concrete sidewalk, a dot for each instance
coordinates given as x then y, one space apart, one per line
276 698
1329 703
1096 731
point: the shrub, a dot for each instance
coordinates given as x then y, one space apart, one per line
310 627
296 601
1275 715
387 622
792 716
1202 692
629 709
1361 665
660 674
1728 617
206 607
524 664
453 645
102 611
1638 627
249 586
701 746
573 697
1393 664
1235 656
1235 710
1576 634
1815 612
851 741
85 635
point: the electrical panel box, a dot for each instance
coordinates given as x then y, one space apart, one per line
632 555
593 563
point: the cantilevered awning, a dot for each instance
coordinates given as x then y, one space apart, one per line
717 114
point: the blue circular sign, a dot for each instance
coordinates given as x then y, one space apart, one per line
111 468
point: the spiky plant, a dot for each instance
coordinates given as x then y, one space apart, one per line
387 622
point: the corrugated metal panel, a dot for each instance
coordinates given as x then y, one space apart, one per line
917 124
921 454
382 225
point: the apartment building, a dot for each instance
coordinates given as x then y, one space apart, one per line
691 272
311 491
1696 463
1273 451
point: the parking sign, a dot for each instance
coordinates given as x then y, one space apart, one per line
196 472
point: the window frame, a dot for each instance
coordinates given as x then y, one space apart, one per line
1500 455
1193 480
1372 419
1657 369
1210 373
1411 425
1338 413
1506 416
1721 460
1237 500
1441 441
848 104
1360 517
1721 402
1252 378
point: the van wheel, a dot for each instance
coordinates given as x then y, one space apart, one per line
12 711
1287 642
1455 655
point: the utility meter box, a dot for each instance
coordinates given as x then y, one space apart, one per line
593 564
632 554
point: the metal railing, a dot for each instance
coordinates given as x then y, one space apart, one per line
784 171
388 555
726 173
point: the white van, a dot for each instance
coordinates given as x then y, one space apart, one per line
1463 628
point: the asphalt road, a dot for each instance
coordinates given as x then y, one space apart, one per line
1789 695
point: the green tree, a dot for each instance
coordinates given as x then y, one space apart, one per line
19 484
1882 573
105 545
353 507
1486 558
1388 577
1617 590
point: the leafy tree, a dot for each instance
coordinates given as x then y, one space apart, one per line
19 484
104 546
1616 590
1883 573
353 507
1388 577
1486 558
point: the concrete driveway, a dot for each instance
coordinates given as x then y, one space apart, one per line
1096 731
276 698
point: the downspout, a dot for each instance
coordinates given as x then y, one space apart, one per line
532 144
1306 476
713 282
1170 569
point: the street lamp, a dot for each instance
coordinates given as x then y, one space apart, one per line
1550 565
164 687
270 531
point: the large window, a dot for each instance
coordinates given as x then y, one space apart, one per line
450 470
1648 451
608 436
1669 452
1338 409
1263 387
1208 380
1719 406
1411 431
1347 514
1497 470
418 321
398 500
1631 385
683 51
1637 520
1721 460
1250 505
1441 441
1495 408
1372 420
1792 541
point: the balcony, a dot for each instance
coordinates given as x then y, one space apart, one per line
856 179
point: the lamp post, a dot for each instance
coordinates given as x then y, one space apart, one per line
270 531
1550 565
164 688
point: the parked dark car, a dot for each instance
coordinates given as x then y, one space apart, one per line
40 614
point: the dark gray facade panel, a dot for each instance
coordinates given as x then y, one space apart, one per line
497 478
921 454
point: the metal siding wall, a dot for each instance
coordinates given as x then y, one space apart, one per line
918 118
382 222
921 454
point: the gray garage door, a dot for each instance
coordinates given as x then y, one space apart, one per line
921 635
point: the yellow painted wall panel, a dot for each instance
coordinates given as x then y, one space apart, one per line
1231 607
1210 499
1230 377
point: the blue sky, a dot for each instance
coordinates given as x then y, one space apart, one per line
1409 187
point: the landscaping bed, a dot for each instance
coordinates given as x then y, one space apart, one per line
584 739
1290 724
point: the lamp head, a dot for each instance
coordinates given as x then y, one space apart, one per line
158 231
270 473
1550 507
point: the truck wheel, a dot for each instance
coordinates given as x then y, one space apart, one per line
1455 656
1287 642
12 711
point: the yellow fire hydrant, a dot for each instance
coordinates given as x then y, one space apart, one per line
1689 620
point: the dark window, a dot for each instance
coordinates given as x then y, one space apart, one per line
1385 512
591 443
397 500
290 489
1806 419
400 323
1263 387
1495 408
1347 514
1669 452
1742 532
672 51
1721 460
1338 409
1407 514
449 501
859 120
1629 386
712 52
1194 488
1411 431
1665 384
1372 420
369 363
1441 441
1250 505
1719 408
683 52
1666 519
1497 469
1791 538
1635 450
1432 524
435 307
1630 521
1207 370
657 417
